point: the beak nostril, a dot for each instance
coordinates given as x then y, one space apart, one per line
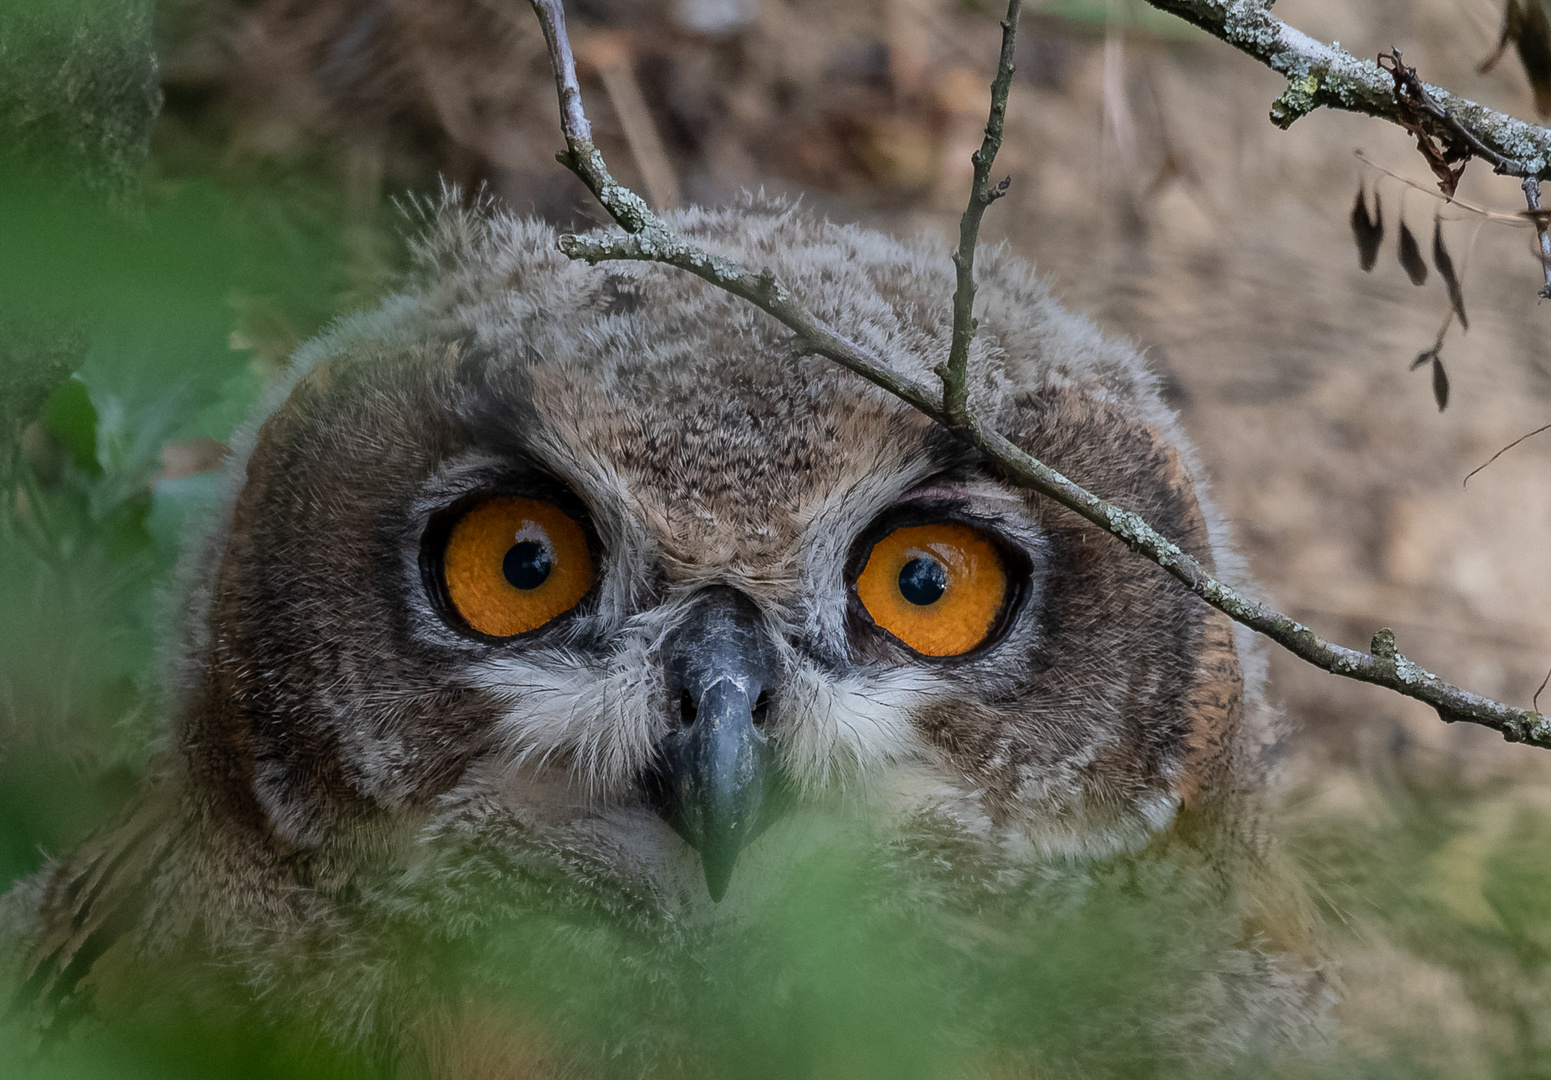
687 709
761 709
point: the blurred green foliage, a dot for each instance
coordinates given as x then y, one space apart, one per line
150 285
146 296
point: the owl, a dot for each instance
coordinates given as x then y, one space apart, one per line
547 593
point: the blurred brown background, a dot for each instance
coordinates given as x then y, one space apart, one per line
1148 186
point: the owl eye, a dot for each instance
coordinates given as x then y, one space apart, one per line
511 565
938 588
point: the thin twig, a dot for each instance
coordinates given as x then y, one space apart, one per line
1500 453
955 373
649 240
1535 701
1532 197
1434 193
581 156
1428 355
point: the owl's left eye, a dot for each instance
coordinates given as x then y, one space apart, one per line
510 565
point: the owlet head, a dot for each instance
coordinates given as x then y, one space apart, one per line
592 538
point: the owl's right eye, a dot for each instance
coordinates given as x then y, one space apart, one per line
939 588
510 565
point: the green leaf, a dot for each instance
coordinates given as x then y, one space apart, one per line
70 415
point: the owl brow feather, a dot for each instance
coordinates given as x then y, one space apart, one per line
647 238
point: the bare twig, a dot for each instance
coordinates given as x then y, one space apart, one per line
649 239
1535 701
1532 198
954 373
1479 211
1500 453
581 156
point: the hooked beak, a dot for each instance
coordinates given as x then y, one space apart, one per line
713 778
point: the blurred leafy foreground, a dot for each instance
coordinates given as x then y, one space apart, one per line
136 332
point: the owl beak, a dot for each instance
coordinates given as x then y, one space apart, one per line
713 774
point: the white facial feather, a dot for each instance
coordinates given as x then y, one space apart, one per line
852 730
598 722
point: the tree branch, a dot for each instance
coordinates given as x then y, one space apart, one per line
1320 75
649 239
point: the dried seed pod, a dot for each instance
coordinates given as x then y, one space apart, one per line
1440 384
1367 231
1411 256
1445 267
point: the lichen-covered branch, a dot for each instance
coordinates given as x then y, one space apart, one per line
982 193
647 238
1326 76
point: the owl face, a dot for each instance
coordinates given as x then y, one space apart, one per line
598 532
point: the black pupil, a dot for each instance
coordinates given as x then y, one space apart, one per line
526 565
923 581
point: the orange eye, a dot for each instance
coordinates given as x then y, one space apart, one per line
938 588
511 565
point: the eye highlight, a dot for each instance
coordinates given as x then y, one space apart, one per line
938 588
512 564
